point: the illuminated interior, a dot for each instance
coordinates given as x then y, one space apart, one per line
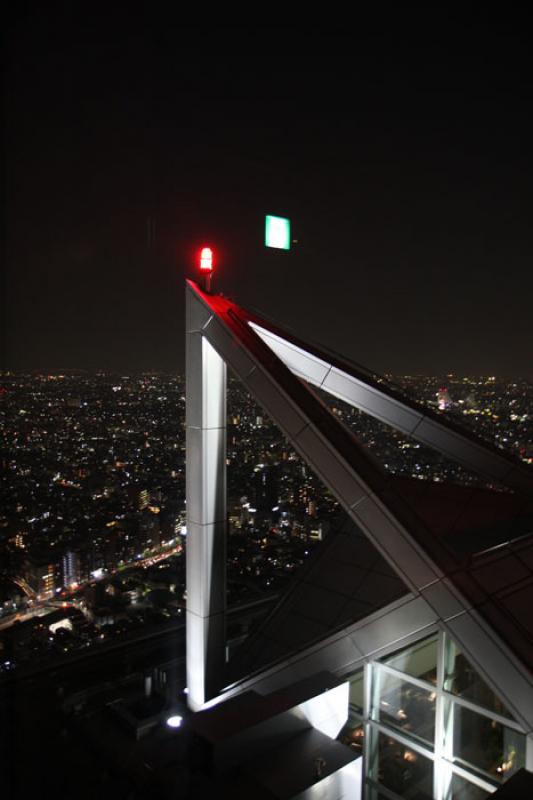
429 726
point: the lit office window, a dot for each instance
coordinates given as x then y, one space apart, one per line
462 680
398 703
433 728
485 745
401 769
419 660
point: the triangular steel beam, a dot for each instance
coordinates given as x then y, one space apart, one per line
361 486
368 392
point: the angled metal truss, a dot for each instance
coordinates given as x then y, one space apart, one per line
270 364
371 394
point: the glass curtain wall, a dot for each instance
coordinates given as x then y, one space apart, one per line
430 727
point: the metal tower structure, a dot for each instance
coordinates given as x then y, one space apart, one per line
271 364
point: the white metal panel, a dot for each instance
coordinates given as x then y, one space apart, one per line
233 353
206 508
366 398
393 626
205 480
304 364
205 637
328 711
206 381
333 655
214 378
197 315
194 380
442 597
206 556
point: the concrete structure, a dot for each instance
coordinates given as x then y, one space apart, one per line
451 567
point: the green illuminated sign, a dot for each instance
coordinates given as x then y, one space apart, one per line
277 232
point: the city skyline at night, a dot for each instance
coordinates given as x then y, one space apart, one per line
93 481
234 561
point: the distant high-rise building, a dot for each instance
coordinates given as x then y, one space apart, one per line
70 564
149 534
40 574
266 489
143 499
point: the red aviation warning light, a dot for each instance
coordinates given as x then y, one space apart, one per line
206 266
206 260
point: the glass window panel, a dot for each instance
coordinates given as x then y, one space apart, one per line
486 745
357 692
402 705
462 789
401 770
419 660
352 735
462 679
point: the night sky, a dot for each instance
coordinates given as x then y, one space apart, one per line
400 146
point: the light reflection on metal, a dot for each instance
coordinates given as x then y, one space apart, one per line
206 514
328 712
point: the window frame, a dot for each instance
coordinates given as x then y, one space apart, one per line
441 754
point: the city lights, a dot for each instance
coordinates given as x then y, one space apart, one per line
127 542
